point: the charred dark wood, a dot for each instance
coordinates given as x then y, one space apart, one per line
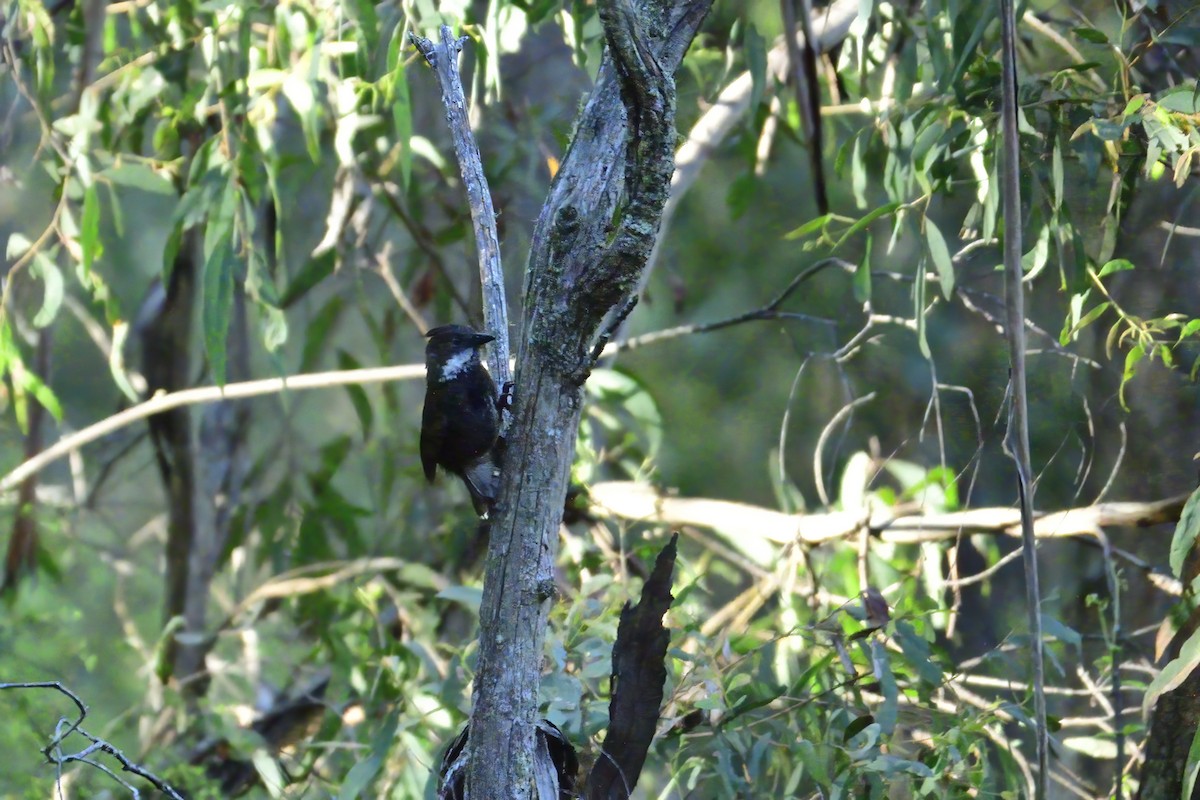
639 673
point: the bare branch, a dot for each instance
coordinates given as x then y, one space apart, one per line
767 312
205 394
443 57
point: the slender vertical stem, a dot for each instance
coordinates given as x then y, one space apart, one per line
1018 430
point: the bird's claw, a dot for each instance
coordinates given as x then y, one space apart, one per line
505 400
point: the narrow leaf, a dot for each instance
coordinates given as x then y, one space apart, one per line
52 289
1084 321
862 275
358 395
919 310
402 119
1193 767
89 229
941 257
812 226
1115 265
917 653
1174 673
866 220
1091 35
1131 361
1186 532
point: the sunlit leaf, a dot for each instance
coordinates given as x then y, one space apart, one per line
940 254
299 92
1186 531
1115 265
1135 355
810 227
1174 673
43 267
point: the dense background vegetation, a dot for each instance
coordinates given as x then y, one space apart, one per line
291 161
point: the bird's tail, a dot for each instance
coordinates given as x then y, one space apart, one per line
481 481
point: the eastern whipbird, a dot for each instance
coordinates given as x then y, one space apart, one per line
461 419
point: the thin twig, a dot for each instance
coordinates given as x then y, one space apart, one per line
766 312
802 64
610 330
406 305
54 753
843 412
426 244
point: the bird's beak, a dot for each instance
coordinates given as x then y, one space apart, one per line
480 339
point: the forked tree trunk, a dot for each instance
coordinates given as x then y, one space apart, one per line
583 269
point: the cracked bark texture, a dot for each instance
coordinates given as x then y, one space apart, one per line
592 240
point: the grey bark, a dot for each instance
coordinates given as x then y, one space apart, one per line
582 265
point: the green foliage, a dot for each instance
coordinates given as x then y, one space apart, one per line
295 143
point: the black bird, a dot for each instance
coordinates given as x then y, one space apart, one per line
461 418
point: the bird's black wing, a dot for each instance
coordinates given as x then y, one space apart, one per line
433 435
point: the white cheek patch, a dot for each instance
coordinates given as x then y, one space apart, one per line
455 365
